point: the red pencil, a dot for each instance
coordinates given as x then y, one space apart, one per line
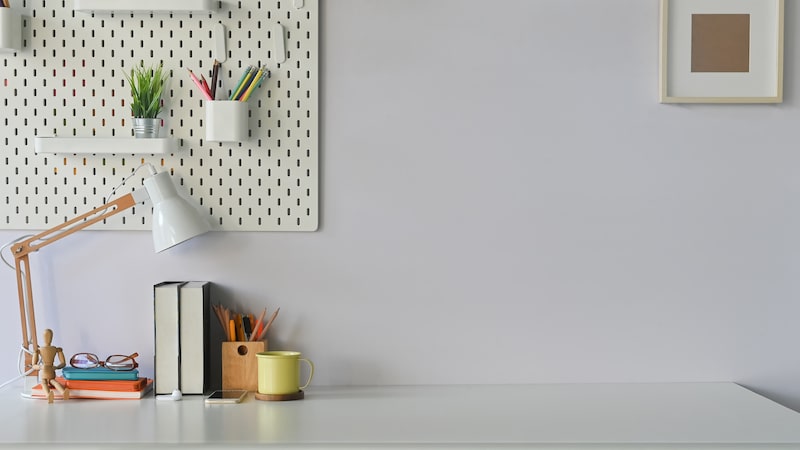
258 326
205 84
197 83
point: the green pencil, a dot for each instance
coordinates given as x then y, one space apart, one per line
235 92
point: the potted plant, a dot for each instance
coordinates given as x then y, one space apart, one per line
147 87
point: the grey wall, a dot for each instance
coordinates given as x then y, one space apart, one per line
503 201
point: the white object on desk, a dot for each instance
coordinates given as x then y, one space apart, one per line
176 396
666 416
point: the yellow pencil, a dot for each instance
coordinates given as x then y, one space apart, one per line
253 85
242 84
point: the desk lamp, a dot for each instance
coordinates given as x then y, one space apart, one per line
174 221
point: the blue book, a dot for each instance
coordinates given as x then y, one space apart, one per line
98 373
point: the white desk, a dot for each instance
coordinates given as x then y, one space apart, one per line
563 416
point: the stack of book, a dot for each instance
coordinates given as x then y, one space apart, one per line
99 383
182 311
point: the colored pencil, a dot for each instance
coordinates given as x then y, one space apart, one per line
269 324
235 92
255 84
257 327
214 78
205 93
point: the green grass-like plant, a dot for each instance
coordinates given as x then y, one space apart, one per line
147 86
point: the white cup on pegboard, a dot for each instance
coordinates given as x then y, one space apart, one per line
226 121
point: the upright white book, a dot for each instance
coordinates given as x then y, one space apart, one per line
166 315
195 316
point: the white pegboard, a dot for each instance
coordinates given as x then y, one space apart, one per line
68 81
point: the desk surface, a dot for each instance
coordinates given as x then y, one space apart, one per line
569 416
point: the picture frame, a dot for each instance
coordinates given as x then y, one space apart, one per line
721 51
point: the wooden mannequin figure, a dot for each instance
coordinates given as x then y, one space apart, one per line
47 371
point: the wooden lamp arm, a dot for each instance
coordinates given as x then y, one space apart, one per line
78 223
24 248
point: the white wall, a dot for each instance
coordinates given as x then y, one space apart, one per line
503 201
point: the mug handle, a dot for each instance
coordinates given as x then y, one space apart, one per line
310 374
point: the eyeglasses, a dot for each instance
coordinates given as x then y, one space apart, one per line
119 363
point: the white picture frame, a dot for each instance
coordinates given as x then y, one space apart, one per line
760 82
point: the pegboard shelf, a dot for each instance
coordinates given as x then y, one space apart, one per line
143 6
103 146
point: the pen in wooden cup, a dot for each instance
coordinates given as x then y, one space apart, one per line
257 327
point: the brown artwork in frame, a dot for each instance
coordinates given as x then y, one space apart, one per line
720 42
721 51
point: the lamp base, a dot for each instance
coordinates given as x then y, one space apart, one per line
30 382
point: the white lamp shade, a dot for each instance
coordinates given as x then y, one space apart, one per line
174 219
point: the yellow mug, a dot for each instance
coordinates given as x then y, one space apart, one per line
279 372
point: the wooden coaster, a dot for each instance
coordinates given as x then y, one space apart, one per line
280 397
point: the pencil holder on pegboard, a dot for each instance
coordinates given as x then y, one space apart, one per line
239 364
226 121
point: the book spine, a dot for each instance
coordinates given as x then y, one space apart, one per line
195 313
166 314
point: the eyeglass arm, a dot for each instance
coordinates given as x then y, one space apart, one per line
131 357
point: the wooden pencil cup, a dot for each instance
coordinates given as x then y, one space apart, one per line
239 364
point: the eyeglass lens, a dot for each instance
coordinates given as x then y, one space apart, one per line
121 362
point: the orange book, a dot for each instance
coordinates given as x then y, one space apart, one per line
106 385
104 394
